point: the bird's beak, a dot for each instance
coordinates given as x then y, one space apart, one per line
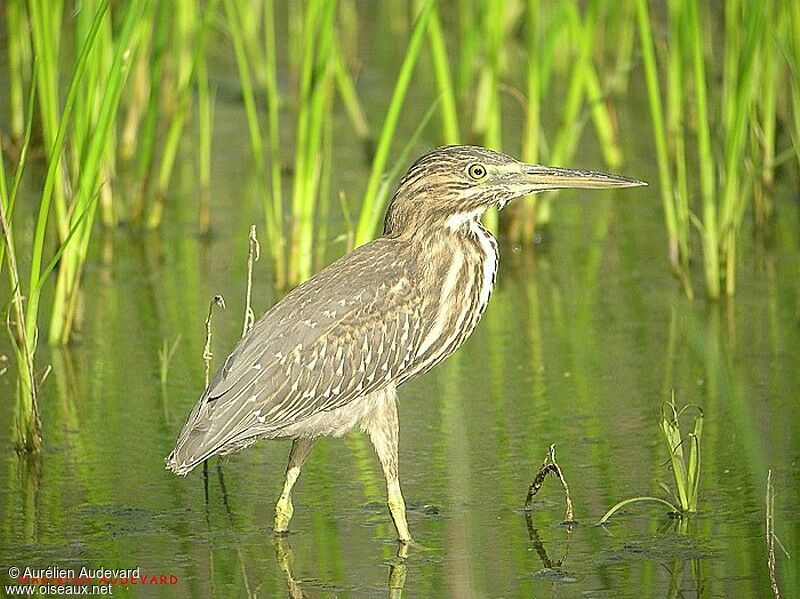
541 178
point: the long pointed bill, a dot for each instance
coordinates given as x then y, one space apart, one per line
541 178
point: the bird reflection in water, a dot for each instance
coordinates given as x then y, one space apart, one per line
284 556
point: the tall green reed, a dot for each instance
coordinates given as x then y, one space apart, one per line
673 202
88 182
734 128
26 315
316 79
19 55
27 422
743 37
763 136
189 39
563 38
140 130
158 102
451 133
705 158
525 225
793 53
205 120
372 205
45 26
275 221
316 85
498 19
38 275
468 36
583 89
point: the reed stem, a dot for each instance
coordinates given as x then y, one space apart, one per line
371 210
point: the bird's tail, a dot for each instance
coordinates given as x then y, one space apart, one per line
208 431
181 464
188 453
176 465
191 448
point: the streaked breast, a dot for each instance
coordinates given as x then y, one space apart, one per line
462 297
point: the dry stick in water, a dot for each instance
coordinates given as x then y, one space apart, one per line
550 466
253 254
217 300
770 532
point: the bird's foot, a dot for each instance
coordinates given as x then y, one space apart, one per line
400 524
397 509
283 514
404 548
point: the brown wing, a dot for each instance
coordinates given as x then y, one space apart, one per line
344 333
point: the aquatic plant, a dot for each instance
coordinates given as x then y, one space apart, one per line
26 316
550 466
27 423
769 533
734 130
165 354
91 146
371 207
684 459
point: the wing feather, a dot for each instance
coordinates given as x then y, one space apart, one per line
341 335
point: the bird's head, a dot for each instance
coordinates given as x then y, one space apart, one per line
452 185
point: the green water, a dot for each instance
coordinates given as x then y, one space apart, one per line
585 337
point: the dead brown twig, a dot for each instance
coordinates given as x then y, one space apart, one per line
550 466
253 254
770 533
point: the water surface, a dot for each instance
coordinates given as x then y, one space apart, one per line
584 339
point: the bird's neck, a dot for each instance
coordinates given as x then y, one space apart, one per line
456 268
465 223
467 228
461 239
459 233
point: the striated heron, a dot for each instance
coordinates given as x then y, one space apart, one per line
328 357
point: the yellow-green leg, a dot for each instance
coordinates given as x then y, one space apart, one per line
301 449
383 428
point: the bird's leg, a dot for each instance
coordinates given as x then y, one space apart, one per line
382 426
301 449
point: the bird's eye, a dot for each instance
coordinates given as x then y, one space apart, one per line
476 171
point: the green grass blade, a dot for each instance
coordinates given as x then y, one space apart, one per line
622 504
10 197
709 232
53 171
248 92
444 80
91 168
278 233
371 209
657 119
